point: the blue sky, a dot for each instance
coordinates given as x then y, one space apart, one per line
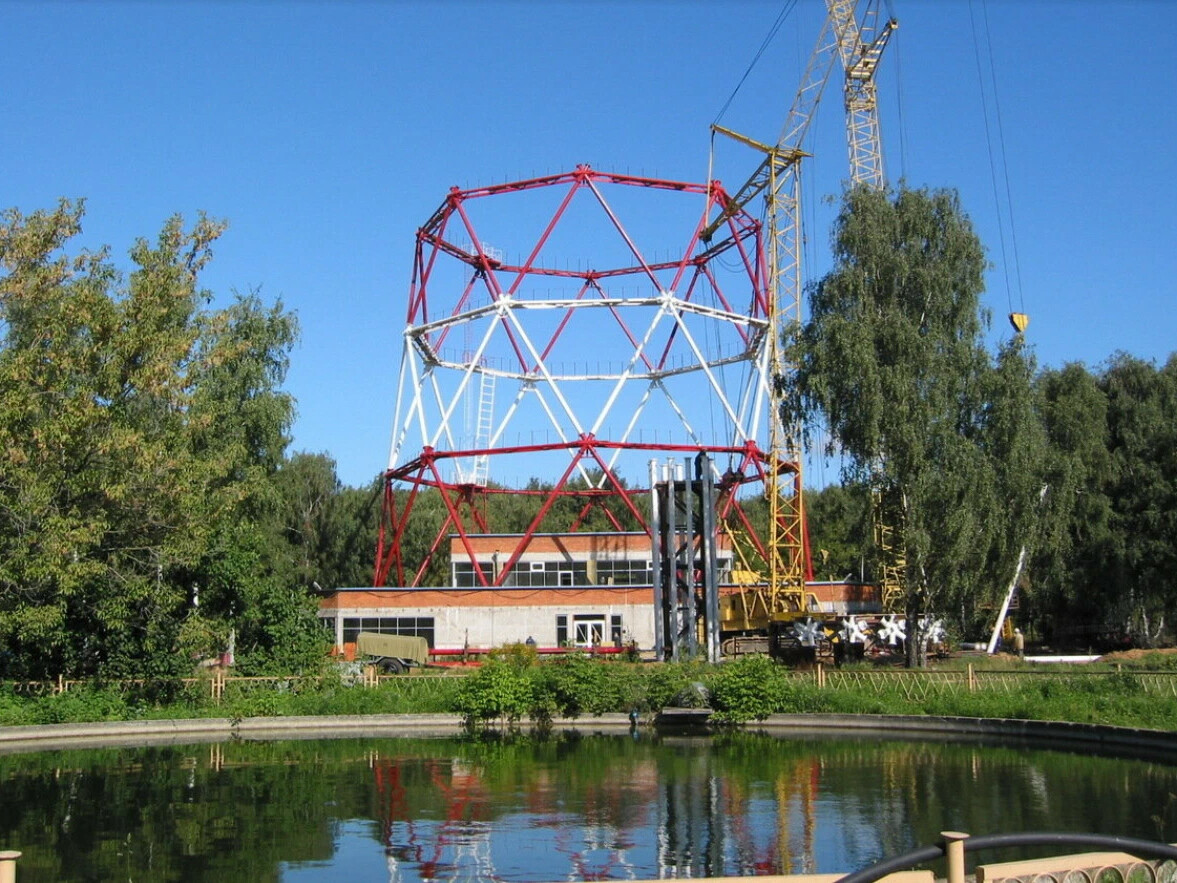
327 133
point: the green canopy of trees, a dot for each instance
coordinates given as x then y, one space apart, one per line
986 454
141 431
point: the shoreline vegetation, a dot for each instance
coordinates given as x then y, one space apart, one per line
513 686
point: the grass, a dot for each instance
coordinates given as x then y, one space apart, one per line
744 690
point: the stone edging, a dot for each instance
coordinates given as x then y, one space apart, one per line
1052 733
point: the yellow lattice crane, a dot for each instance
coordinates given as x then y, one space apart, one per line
860 48
859 44
781 592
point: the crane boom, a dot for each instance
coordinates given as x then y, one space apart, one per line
860 50
777 178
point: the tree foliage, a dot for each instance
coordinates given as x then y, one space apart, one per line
894 358
140 429
1106 566
838 518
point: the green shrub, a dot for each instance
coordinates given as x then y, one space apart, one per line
746 689
580 685
80 704
501 689
661 682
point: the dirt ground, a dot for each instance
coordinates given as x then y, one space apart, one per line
1129 655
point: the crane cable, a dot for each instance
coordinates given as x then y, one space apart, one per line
772 32
1001 150
899 83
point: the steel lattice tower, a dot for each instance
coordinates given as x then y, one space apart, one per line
616 335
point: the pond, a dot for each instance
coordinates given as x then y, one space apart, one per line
562 807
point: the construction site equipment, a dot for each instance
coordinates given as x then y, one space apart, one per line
392 654
860 48
781 596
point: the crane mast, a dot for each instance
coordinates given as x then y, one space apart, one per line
778 180
860 48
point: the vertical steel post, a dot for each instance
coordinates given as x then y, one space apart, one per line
710 559
690 533
671 535
656 564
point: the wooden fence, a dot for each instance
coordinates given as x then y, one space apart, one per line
911 684
916 684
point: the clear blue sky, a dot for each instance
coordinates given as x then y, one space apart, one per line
327 133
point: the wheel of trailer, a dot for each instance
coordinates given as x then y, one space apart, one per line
391 666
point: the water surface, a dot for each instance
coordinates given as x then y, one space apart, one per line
565 807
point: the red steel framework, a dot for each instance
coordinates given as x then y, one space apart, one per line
658 340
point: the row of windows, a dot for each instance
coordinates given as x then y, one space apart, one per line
559 573
387 625
581 630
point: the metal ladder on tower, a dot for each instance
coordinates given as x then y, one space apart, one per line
486 402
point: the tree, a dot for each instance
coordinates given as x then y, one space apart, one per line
1069 592
1142 482
838 519
894 358
1107 559
329 530
137 425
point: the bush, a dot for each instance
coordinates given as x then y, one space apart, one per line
660 683
502 689
579 685
749 688
80 704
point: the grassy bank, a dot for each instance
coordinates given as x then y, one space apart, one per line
515 686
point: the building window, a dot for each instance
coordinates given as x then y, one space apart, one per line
389 625
466 577
561 629
590 629
623 572
615 629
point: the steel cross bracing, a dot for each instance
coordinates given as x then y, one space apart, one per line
638 352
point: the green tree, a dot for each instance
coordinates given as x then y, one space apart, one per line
1066 590
329 529
1142 483
136 425
894 357
838 517
1107 558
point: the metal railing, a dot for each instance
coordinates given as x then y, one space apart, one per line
954 845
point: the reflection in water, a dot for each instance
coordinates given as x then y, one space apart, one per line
566 807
